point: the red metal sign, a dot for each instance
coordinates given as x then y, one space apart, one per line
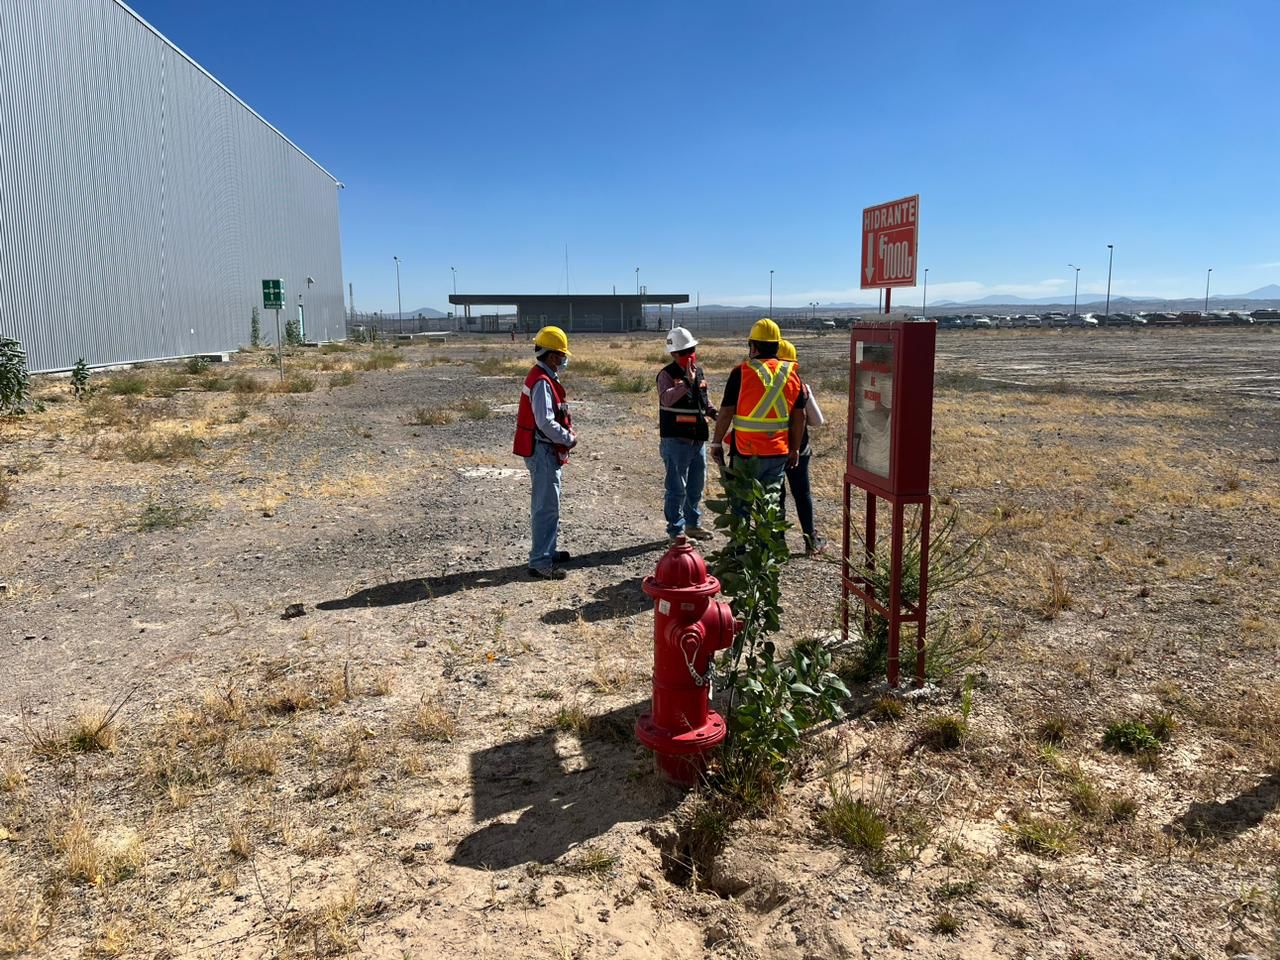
890 232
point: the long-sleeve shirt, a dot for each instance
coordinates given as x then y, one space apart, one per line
544 411
671 390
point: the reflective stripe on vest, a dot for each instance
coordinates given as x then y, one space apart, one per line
770 414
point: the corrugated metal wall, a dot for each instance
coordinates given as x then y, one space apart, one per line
141 204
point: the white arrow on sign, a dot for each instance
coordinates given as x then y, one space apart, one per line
871 263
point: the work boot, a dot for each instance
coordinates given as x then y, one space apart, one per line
814 547
547 573
561 556
697 533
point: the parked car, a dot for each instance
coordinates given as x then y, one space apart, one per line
1266 316
1032 320
1162 319
1190 316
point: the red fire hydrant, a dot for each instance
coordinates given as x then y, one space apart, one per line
688 628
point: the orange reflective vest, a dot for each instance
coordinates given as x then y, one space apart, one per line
767 393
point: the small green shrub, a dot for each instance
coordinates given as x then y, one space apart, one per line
247 383
80 380
597 368
632 384
157 516
335 347
255 329
888 707
1053 728
1044 836
215 384
1130 736
197 365
126 385
343 378
1121 808
854 822
293 332
946 732
15 382
947 924
475 409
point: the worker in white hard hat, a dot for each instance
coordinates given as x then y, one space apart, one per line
544 437
683 411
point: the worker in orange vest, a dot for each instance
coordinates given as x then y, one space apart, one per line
764 404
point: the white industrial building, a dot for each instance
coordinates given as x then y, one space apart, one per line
141 202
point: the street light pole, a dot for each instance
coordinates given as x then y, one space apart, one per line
399 303
1111 254
1075 300
1206 291
924 297
771 293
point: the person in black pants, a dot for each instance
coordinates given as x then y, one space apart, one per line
798 476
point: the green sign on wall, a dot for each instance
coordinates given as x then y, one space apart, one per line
273 294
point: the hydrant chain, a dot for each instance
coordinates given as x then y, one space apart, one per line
694 639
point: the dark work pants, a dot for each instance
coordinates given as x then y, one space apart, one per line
798 482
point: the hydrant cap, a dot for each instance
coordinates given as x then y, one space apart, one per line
682 566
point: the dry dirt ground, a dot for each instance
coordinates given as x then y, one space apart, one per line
436 758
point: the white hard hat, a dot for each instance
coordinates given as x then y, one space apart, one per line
680 339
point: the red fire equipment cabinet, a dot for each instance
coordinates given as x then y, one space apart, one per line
890 421
688 629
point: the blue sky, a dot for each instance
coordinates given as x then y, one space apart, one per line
709 142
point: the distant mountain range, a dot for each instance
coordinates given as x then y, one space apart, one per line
1269 292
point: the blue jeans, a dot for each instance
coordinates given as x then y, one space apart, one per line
768 470
686 476
544 503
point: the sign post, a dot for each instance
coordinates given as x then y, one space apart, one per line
890 236
273 299
888 457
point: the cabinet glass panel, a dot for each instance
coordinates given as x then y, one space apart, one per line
873 407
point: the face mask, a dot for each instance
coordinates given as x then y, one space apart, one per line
688 361
564 364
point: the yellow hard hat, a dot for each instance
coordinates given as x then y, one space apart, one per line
765 331
786 350
552 338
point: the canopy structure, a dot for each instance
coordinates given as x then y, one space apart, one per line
575 313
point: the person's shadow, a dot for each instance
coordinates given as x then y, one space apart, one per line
621 599
428 588
569 787
1230 818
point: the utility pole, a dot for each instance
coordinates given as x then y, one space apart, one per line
399 303
771 293
1111 253
1075 300
1206 291
924 297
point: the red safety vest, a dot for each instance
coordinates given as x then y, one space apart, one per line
527 433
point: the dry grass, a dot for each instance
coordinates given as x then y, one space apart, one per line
1057 595
254 756
94 857
571 718
429 417
292 695
432 721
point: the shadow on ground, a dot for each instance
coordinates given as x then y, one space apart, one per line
568 787
429 588
1229 818
620 599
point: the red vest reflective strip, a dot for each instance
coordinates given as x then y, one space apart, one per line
767 392
526 425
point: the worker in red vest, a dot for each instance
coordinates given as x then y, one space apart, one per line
544 437
764 404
